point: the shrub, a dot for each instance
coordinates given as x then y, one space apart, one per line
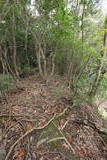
5 81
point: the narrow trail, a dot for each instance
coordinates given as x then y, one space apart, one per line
32 95
29 132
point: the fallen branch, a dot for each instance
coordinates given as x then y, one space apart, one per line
90 124
55 139
64 138
27 134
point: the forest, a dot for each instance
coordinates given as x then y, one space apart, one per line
53 80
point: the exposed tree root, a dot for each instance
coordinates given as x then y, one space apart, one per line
26 134
33 130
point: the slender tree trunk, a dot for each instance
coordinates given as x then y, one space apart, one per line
99 74
14 46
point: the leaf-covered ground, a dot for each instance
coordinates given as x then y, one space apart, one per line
39 122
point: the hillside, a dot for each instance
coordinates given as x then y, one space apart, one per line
39 121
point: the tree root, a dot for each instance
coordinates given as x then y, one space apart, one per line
27 134
32 130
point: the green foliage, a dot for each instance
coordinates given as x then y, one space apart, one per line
56 28
27 70
6 81
57 92
102 91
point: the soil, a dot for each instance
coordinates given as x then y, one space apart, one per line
25 134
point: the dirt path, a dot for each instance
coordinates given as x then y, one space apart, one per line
34 104
33 95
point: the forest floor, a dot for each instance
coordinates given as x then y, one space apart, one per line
39 122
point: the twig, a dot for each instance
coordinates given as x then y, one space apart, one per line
29 120
62 113
11 126
64 124
26 134
55 139
63 137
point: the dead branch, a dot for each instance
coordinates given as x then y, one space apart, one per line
27 134
63 137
